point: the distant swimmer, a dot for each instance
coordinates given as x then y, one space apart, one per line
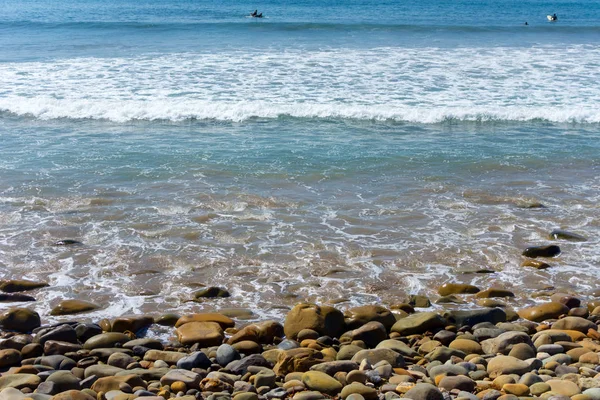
255 14
526 23
552 17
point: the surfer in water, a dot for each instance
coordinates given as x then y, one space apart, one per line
255 14
552 17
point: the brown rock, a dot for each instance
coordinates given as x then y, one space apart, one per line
67 307
467 346
12 286
457 288
72 395
220 319
574 324
486 294
358 316
263 332
9 358
297 360
535 264
419 323
20 320
324 319
132 323
206 334
109 383
544 311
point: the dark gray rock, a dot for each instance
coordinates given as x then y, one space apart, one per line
226 354
542 251
194 360
240 367
473 317
424 391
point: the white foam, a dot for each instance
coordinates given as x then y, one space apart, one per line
426 85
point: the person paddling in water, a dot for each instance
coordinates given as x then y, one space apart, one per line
255 14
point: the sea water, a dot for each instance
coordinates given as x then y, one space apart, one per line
340 152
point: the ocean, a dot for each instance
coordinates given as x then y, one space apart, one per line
338 152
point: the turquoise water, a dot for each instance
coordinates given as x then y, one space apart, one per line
348 153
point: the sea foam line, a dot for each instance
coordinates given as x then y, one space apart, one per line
426 85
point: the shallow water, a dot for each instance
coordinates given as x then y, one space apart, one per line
347 158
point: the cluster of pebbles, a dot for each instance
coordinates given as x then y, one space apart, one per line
549 351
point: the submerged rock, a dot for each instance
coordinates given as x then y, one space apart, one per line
565 235
542 251
13 286
67 307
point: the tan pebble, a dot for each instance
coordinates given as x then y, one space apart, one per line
398 379
593 334
564 387
518 389
581 397
292 383
178 386
551 365
589 358
329 353
356 376
404 387
502 380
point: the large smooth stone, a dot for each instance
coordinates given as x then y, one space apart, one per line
326 320
396 345
211 292
505 342
15 298
424 391
263 332
358 316
206 334
9 358
544 311
101 370
20 320
61 333
457 383
195 360
506 365
63 381
105 340
109 383
220 319
191 379
371 333
574 324
226 354
494 292
333 367
16 285
457 288
563 387
67 307
419 323
133 323
20 381
542 251
321 382
367 393
170 357
473 317
467 346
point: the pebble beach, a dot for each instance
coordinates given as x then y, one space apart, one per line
484 351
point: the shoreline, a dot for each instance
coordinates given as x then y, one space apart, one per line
366 353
